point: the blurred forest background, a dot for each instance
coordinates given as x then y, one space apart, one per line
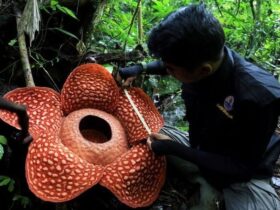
49 38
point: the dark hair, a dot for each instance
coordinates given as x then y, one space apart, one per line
187 37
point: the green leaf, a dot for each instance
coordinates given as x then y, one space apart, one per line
65 32
81 47
4 180
67 11
53 4
3 140
109 67
12 42
24 201
11 185
1 152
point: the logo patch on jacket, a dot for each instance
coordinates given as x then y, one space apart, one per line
228 103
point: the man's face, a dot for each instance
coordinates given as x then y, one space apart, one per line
184 75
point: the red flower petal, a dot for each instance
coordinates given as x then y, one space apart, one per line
56 174
94 135
43 107
137 177
89 86
125 113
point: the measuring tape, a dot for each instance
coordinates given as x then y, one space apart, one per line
136 110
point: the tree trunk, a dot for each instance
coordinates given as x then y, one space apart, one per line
95 18
23 52
253 41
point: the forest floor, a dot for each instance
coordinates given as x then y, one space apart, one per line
176 194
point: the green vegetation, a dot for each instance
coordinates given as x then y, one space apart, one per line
252 27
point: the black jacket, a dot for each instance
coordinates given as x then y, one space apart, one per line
232 117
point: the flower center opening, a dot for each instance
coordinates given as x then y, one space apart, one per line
95 129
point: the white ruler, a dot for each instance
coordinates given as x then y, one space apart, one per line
137 112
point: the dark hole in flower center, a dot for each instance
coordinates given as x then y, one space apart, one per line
95 129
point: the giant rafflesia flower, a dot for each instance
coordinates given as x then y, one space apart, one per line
88 135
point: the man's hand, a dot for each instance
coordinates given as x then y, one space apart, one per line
124 83
19 138
156 137
127 75
27 139
23 119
